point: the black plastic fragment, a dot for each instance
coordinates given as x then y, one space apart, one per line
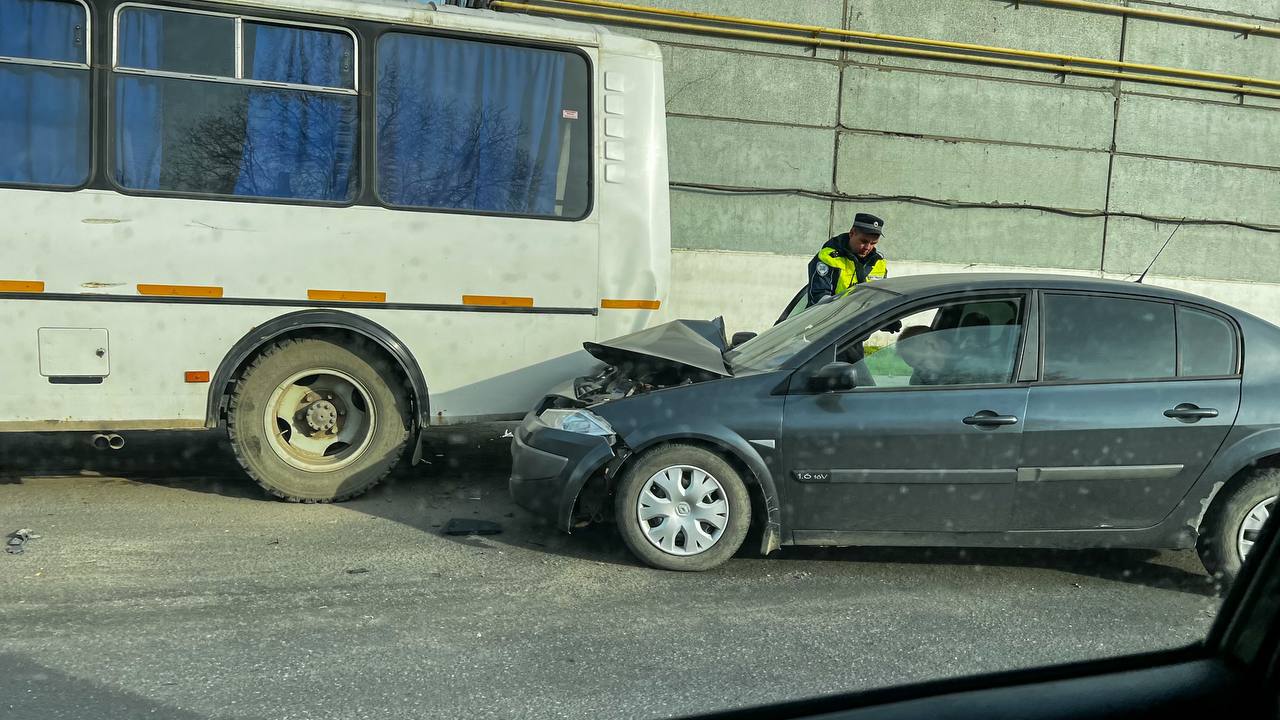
468 526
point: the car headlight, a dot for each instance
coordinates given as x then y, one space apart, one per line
577 421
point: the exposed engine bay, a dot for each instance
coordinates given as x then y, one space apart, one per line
615 382
677 353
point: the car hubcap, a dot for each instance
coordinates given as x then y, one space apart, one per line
683 510
319 420
1252 524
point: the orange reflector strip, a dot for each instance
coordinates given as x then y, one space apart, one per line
21 286
630 304
196 376
347 296
497 301
204 291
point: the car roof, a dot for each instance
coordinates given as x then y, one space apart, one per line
968 282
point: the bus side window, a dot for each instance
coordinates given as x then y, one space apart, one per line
191 117
44 93
482 126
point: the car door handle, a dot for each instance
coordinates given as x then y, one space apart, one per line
1190 412
988 418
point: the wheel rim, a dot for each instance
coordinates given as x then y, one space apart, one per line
320 420
683 510
1252 525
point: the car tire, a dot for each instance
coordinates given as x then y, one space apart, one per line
641 491
1219 543
356 380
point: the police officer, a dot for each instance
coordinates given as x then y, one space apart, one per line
848 259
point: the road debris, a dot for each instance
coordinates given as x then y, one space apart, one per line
17 541
357 571
470 526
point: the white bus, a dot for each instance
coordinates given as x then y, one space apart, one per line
324 224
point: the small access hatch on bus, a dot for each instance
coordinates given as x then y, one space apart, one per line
74 352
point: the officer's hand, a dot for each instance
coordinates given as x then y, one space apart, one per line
894 326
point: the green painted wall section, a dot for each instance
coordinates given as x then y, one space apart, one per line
774 117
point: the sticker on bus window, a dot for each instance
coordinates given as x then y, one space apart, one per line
569 114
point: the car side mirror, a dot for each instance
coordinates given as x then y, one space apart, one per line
834 376
739 338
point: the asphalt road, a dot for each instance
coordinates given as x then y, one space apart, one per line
164 585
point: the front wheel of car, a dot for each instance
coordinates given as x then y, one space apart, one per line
1231 526
682 507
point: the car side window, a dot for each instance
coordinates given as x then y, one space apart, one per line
1206 344
1089 337
963 343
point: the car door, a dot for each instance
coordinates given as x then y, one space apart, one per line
1135 397
929 440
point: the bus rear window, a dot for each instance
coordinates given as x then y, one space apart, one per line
483 127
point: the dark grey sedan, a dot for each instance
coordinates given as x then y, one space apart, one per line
1006 410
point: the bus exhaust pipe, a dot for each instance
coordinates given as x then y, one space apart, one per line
103 441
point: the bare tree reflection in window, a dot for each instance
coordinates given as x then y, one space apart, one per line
304 153
450 155
207 158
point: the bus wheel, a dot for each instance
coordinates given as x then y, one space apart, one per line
313 420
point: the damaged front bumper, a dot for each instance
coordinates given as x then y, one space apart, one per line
550 466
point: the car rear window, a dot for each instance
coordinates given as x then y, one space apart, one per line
1206 344
1107 338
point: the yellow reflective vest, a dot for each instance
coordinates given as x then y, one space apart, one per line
833 271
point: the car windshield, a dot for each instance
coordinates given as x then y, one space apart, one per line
774 347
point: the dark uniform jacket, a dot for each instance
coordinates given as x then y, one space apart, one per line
835 269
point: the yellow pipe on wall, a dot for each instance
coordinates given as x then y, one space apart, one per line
1233 26
884 50
819 30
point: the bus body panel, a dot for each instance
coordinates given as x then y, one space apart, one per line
428 277
477 364
99 241
635 261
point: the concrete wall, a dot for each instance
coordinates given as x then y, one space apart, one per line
768 116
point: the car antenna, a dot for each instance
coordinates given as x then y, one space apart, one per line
1162 247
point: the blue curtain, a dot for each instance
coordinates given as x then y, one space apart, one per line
468 125
299 144
296 144
44 112
139 118
42 30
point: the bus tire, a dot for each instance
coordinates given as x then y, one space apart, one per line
315 420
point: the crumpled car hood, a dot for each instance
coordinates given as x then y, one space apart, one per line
697 344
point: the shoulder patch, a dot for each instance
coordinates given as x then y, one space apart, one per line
823 268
